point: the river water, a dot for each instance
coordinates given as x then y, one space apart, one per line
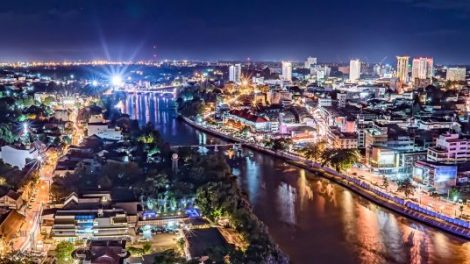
313 220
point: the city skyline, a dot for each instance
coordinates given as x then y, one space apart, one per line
262 31
248 131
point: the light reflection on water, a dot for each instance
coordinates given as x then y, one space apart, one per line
312 219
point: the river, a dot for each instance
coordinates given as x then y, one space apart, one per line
313 220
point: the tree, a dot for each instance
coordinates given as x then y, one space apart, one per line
168 257
7 133
147 247
245 130
64 252
280 144
104 182
406 187
340 159
314 151
454 194
48 100
385 182
435 195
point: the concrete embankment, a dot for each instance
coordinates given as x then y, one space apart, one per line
409 209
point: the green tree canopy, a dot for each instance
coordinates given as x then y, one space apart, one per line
314 151
340 159
64 252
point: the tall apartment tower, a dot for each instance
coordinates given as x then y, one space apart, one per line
354 70
235 73
402 68
287 71
456 74
310 62
422 69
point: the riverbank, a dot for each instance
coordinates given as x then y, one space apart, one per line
406 208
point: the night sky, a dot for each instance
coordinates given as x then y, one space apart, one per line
333 31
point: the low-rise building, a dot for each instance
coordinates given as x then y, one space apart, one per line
343 140
450 148
91 216
11 200
10 226
102 251
257 123
103 131
302 134
440 177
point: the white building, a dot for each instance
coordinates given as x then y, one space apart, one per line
103 131
319 72
311 61
450 148
354 70
402 68
93 216
18 157
286 71
235 73
456 74
422 69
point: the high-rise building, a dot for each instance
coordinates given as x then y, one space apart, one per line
235 73
456 74
320 72
402 68
354 70
422 69
286 71
310 62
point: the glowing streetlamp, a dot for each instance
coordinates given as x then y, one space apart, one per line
25 128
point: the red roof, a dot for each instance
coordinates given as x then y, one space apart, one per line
245 114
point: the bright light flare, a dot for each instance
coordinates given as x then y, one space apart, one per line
116 80
94 83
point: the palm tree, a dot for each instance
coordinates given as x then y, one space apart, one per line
314 151
406 187
340 159
385 182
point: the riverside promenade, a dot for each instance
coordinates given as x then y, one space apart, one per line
404 207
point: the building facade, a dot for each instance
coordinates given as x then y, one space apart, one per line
456 74
354 70
235 73
450 148
402 68
422 69
286 71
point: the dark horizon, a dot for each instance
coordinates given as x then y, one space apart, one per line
215 30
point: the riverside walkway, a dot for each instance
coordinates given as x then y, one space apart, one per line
392 202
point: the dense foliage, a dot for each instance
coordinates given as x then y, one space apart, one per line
63 252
